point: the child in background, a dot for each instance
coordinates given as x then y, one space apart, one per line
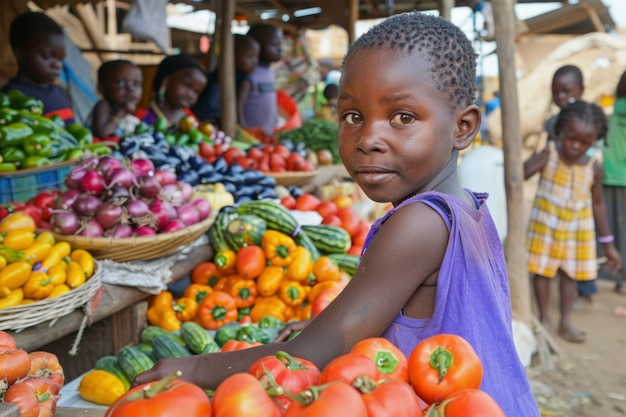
562 236
434 264
119 82
38 44
260 110
328 110
567 86
177 84
208 107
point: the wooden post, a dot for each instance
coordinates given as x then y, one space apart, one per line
445 8
353 16
514 246
226 70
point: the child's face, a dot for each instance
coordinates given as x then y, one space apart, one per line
396 130
565 88
247 58
271 46
184 87
123 86
42 58
576 137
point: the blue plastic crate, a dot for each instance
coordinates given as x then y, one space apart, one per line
21 186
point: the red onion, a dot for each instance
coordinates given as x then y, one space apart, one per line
90 162
149 186
187 191
145 231
137 208
203 206
75 176
189 214
108 215
142 166
65 200
86 205
107 164
122 176
165 177
174 226
91 228
64 222
92 183
163 212
119 231
117 195
173 194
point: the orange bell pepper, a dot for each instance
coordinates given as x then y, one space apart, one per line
243 290
217 309
278 247
205 273
325 269
185 308
292 293
268 306
197 292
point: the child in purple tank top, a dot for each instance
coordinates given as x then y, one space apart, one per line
434 264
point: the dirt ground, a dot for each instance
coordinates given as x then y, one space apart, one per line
588 379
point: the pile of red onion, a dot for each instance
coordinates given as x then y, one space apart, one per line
108 197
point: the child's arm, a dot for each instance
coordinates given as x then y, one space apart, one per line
245 86
614 261
536 162
407 250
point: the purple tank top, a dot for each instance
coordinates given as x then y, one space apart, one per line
472 300
261 108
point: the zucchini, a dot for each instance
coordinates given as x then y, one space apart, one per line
276 216
218 228
197 338
328 239
133 361
166 347
109 363
245 230
150 332
345 262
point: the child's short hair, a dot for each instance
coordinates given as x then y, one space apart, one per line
30 24
569 69
260 31
172 64
331 91
585 112
105 69
450 53
243 42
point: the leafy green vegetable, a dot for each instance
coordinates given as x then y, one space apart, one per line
316 134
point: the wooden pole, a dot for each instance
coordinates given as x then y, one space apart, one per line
514 246
226 70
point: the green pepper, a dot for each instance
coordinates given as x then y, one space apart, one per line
7 115
67 138
80 133
270 322
170 139
142 128
74 154
5 101
14 134
13 154
242 312
98 149
37 144
58 151
182 139
35 162
57 120
226 332
251 333
39 124
194 147
161 124
21 101
7 166
195 135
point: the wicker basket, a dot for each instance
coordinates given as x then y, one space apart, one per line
293 177
138 248
20 317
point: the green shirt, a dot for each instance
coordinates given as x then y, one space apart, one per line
614 156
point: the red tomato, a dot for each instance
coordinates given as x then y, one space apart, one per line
277 163
232 154
332 220
292 374
255 153
295 162
389 360
264 163
289 202
348 367
338 399
468 403
349 220
206 150
247 163
34 212
282 150
307 202
323 299
459 367
242 395
46 364
359 238
327 208
251 261
391 398
14 365
167 397
30 396
238 345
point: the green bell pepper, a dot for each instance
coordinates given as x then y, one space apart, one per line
7 115
21 101
13 154
80 133
74 154
35 162
37 144
98 149
142 128
7 166
39 124
161 125
226 332
14 134
270 322
195 135
170 138
58 151
5 101
57 120
251 333
182 139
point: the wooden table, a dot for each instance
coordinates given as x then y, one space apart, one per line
117 321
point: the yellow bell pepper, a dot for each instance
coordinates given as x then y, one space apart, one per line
164 317
37 252
164 298
268 306
268 282
38 286
197 292
59 290
185 308
57 273
75 275
85 260
45 237
19 239
325 269
101 387
226 261
301 266
292 293
59 251
15 275
13 298
278 247
3 262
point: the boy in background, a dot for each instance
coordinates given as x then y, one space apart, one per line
38 44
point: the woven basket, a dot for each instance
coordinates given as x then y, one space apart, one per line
293 177
20 317
138 248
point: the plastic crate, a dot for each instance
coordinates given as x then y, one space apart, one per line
20 186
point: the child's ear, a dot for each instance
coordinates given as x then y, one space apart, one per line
19 53
467 126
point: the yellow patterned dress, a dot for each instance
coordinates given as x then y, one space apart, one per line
561 230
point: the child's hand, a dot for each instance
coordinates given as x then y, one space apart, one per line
290 328
614 260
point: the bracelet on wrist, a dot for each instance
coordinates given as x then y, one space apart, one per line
606 239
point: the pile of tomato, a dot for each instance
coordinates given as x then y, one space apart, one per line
440 378
32 381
